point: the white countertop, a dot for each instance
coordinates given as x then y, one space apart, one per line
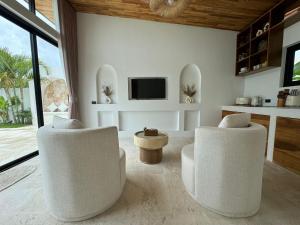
266 110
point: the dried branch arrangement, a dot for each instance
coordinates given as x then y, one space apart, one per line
107 90
189 90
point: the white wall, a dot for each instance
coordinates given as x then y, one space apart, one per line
145 48
268 83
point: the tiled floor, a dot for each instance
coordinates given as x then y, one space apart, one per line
154 195
16 142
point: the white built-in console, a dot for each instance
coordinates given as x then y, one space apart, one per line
171 115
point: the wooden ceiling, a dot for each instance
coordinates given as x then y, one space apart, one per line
45 8
222 14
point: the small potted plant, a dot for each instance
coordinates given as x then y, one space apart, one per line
107 91
189 91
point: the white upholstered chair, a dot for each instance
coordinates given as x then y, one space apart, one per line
223 169
83 171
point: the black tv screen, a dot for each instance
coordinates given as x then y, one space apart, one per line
148 88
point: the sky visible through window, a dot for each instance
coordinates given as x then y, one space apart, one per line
297 56
16 41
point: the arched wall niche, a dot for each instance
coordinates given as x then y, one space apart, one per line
190 75
107 76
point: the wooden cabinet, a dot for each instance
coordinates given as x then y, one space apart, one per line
255 118
259 46
287 139
287 143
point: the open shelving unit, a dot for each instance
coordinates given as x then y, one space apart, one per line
259 46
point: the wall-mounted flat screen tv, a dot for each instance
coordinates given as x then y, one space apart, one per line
141 88
292 66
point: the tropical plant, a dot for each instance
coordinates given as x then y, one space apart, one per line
16 72
4 109
6 73
296 76
15 104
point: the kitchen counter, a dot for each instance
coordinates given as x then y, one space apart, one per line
274 113
289 112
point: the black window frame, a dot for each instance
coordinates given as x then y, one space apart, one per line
34 33
289 66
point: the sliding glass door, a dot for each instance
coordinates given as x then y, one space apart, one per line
17 96
55 95
32 83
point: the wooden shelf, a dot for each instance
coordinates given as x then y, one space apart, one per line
287 22
242 60
243 45
256 71
291 20
259 52
260 36
273 37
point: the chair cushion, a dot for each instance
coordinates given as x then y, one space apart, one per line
188 168
236 121
63 123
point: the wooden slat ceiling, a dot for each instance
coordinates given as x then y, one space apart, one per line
222 14
45 8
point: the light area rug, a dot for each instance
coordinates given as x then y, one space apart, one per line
14 175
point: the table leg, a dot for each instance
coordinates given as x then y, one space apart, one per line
151 156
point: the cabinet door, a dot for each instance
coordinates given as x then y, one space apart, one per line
287 143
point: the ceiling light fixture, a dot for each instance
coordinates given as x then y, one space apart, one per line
168 8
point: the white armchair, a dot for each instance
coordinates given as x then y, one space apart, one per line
83 171
223 169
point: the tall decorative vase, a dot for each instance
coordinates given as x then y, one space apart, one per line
108 100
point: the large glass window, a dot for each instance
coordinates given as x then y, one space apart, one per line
55 96
18 122
44 10
24 3
32 82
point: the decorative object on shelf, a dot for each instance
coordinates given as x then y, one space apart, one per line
259 32
256 101
282 95
262 45
243 101
150 132
264 64
107 91
243 70
267 27
256 67
168 8
293 99
189 91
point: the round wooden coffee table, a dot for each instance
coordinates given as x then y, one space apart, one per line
150 146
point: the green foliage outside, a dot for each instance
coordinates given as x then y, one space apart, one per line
11 125
15 73
296 75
